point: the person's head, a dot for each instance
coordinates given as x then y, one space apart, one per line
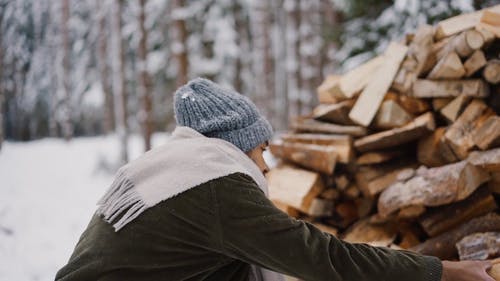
219 112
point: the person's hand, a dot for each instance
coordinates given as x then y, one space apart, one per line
466 271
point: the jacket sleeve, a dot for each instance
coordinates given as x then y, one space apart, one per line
253 230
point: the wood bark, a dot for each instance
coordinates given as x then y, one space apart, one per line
180 39
417 128
433 187
441 219
144 85
450 88
479 246
443 246
294 187
104 69
119 90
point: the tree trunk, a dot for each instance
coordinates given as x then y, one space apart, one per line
292 56
102 63
66 124
144 90
119 92
180 38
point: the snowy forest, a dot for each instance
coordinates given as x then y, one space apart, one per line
91 67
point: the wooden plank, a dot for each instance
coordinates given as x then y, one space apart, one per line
366 106
335 113
441 219
450 88
314 126
491 72
433 187
324 90
475 62
453 109
488 134
460 23
443 246
294 187
412 131
391 115
459 135
479 246
351 83
449 67
320 158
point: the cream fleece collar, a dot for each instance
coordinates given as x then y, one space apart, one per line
186 160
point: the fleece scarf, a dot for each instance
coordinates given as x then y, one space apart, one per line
186 160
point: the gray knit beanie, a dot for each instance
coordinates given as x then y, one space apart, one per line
221 113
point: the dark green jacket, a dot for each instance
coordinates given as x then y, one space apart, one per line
215 230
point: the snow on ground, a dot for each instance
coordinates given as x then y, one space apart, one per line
48 193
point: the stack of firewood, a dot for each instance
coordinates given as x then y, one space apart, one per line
404 150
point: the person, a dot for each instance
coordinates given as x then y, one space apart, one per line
195 208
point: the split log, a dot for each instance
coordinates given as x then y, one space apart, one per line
341 182
377 157
414 62
376 235
475 62
491 72
376 185
460 23
351 83
324 90
451 88
367 104
294 187
494 271
439 103
413 105
411 212
453 109
441 219
430 149
391 115
351 192
313 126
459 134
449 67
320 208
443 246
321 158
479 246
464 44
433 187
335 113
412 131
488 160
342 143
488 36
490 21
488 135
365 206
330 194
347 211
